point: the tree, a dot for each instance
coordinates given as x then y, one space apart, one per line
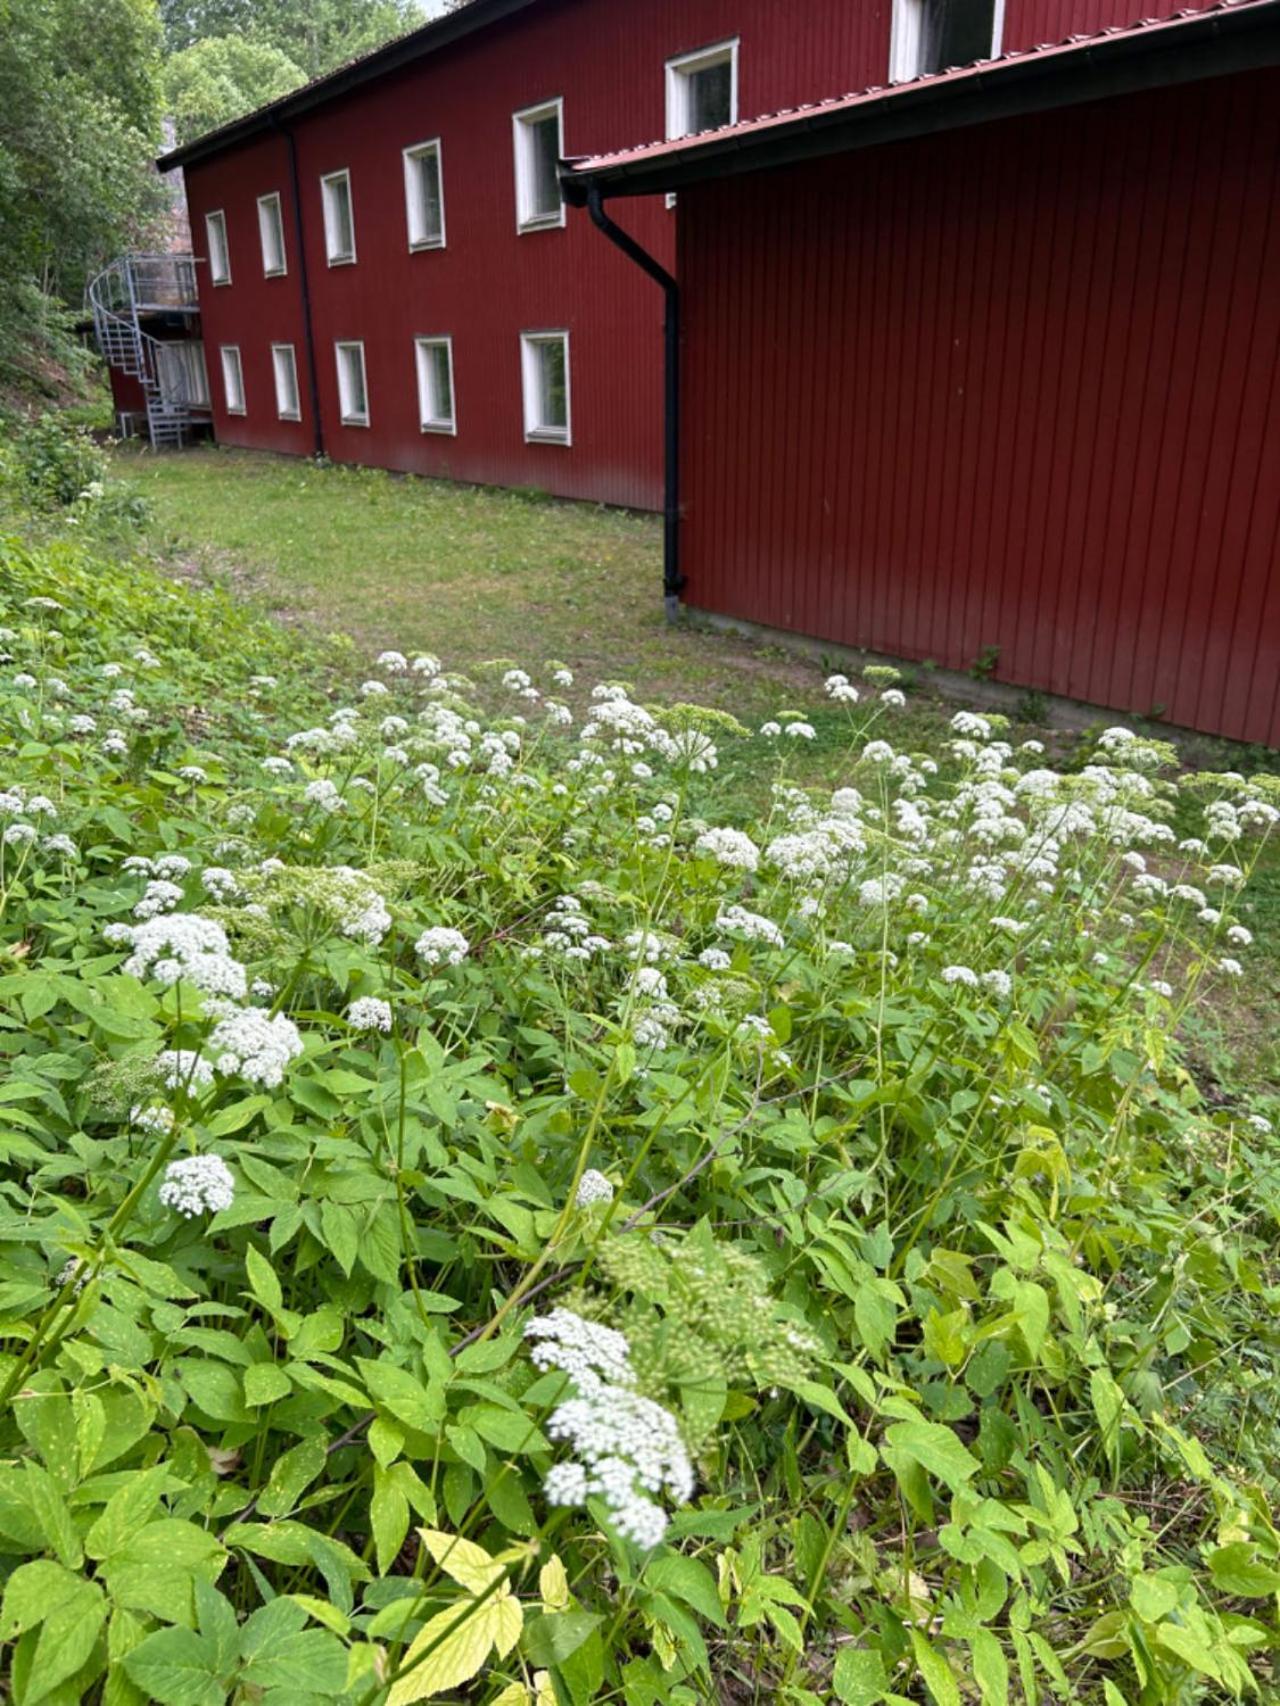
316 34
217 79
79 121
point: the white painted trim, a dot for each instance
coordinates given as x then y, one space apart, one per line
230 358
428 422
521 124
278 350
217 216
347 414
328 178
264 202
411 157
677 72
997 30
535 434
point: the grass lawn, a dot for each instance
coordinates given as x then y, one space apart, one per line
475 574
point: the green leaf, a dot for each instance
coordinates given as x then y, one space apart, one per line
859 1678
990 1668
389 1517
264 1383
409 1400
1237 1570
291 1474
263 1282
32 1592
68 1634
935 1448
552 1637
126 1512
938 1676
685 1578
338 1225
175 1667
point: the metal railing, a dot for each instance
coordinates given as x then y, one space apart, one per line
136 284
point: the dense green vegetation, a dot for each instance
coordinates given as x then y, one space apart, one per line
84 87
490 1213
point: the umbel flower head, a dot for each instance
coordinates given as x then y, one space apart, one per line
255 1044
626 1448
593 1187
197 1184
441 946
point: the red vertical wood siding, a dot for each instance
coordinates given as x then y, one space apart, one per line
1037 23
606 59
1013 387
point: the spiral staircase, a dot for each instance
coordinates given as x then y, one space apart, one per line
138 288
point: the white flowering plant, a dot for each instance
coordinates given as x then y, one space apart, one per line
508 1195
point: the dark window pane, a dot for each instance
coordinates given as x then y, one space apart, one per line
956 32
710 96
544 153
429 195
441 390
553 402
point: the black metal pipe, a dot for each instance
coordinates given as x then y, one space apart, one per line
672 580
304 286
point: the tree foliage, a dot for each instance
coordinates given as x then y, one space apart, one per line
79 120
316 34
215 80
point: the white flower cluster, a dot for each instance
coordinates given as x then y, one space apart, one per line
181 945
593 1187
369 1013
197 1184
728 847
441 946
627 1448
737 920
256 1045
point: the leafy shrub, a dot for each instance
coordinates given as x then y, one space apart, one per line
55 463
483 1213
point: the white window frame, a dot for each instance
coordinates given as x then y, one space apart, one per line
412 201
183 359
219 247
343 176
427 420
277 352
534 432
906 38
267 219
521 125
229 355
678 72
348 415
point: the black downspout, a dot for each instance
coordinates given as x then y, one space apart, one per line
672 580
304 286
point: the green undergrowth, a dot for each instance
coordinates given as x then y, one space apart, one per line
489 1212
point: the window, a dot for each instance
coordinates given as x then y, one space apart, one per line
544 363
339 226
284 365
539 145
353 395
424 196
702 89
180 370
435 384
215 225
232 380
271 233
930 35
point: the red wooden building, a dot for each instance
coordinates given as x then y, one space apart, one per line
385 268
987 363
